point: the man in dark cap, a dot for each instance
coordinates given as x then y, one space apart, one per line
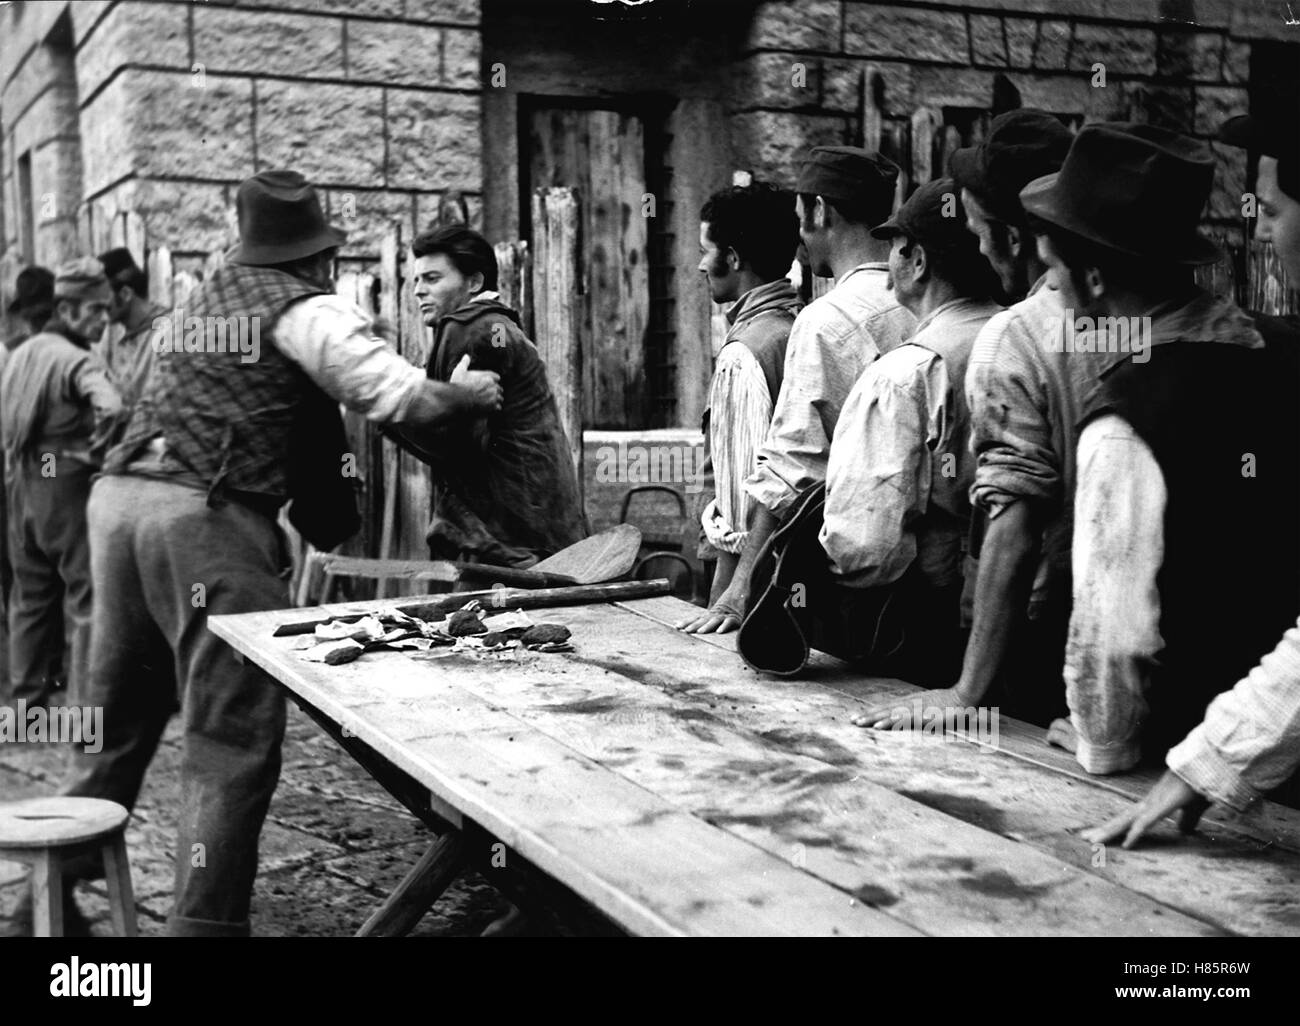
127 354
1188 476
897 511
54 399
1249 742
843 192
183 526
33 302
1023 407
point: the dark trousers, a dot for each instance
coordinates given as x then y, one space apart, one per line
49 549
162 562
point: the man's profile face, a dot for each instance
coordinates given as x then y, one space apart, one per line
88 316
120 304
994 247
1061 277
440 288
1279 218
723 279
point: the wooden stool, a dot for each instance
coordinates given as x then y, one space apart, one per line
43 832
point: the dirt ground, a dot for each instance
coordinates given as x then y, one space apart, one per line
335 844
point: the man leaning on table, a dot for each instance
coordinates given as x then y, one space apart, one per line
1249 741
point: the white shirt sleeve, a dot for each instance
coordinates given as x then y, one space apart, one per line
334 342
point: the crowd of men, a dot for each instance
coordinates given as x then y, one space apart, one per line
1015 455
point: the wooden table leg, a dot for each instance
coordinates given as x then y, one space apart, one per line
47 894
121 896
419 889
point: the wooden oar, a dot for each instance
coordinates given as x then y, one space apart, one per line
602 557
503 598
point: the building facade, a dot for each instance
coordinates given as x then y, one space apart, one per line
156 110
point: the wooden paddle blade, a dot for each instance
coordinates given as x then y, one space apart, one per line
602 557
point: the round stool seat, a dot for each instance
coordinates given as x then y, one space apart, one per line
57 822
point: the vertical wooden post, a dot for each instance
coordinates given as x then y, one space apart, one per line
160 277
514 281
557 307
390 305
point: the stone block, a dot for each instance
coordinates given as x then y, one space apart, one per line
1053 45
434 141
1056 94
186 216
457 12
333 134
987 43
85 16
912 33
1123 50
1215 104
1190 55
52 113
1229 182
952 87
427 208
783 81
462 59
1236 61
268 42
773 144
1022 35
357 8
1169 107
131 33
365 214
394 53
810 25
56 180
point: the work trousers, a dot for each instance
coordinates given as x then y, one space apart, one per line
163 561
51 594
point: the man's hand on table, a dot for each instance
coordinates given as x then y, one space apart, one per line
1170 794
896 714
723 615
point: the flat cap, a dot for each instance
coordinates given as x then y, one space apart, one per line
1021 145
1273 132
847 173
33 287
116 261
79 278
932 216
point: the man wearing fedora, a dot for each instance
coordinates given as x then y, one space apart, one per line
54 398
1023 406
842 193
125 348
1188 460
1249 741
183 526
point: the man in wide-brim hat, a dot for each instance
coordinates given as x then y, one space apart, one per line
183 526
1189 464
1249 742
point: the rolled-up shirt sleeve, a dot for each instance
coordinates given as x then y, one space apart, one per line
333 340
1249 741
878 478
1011 433
1115 623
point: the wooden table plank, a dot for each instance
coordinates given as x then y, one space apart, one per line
647 864
808 802
1224 874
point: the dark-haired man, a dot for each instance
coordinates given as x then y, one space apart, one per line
128 355
1249 741
748 237
897 512
183 525
505 488
843 192
1185 552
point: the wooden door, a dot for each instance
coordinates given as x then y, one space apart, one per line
601 153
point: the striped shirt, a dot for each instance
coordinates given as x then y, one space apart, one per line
833 340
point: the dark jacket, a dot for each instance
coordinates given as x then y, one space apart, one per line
505 491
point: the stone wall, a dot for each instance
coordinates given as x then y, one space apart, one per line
376 101
1183 65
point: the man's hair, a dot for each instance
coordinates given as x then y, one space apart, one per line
962 267
465 248
868 212
132 278
758 222
1142 275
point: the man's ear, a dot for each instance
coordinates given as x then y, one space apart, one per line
476 281
920 262
1015 239
1094 282
733 259
821 213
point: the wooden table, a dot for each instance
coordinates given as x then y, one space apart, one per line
673 791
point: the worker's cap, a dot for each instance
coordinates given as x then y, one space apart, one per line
81 278
932 216
849 174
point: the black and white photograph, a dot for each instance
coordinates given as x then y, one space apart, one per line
650 468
